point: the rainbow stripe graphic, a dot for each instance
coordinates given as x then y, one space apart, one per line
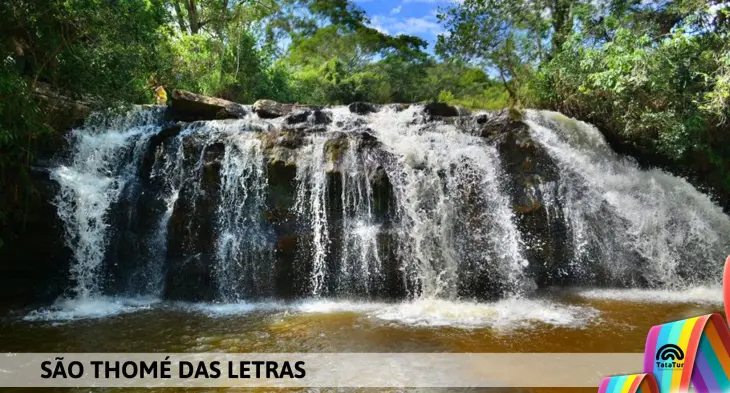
691 352
637 383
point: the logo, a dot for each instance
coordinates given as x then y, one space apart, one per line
669 356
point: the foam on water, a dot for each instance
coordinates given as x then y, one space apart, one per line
502 315
65 309
335 306
230 309
505 314
698 295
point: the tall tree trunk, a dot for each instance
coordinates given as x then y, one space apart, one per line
220 30
180 18
508 85
193 17
562 23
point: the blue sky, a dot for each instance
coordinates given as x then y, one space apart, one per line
413 17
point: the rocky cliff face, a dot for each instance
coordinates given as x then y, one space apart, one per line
209 200
301 222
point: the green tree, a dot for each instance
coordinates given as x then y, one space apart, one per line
506 36
101 52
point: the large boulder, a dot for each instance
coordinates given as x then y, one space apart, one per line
307 120
440 109
363 108
187 106
269 109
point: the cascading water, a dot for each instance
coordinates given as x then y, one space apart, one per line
311 208
392 204
360 260
242 237
455 220
104 159
624 218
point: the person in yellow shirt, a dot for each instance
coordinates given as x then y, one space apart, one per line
160 95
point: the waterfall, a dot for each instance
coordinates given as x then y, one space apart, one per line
241 251
623 217
311 208
104 158
455 217
392 204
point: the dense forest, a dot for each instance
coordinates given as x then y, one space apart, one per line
653 76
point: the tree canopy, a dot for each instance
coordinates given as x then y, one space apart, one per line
111 52
654 76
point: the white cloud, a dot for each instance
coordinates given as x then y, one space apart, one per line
412 26
379 23
396 10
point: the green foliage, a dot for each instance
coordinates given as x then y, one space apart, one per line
669 93
112 53
654 76
98 51
90 47
21 125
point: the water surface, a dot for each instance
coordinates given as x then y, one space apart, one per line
568 321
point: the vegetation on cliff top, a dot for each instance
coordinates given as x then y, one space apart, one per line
655 76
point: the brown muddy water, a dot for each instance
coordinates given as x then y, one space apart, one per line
575 321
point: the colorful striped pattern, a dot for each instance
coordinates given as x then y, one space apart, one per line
705 342
637 383
692 352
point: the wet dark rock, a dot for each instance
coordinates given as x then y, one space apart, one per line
308 117
189 278
187 106
281 195
444 110
282 145
367 140
297 117
396 281
399 107
363 108
383 198
191 232
532 178
156 141
285 272
212 160
336 147
290 140
322 117
34 265
492 125
280 198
